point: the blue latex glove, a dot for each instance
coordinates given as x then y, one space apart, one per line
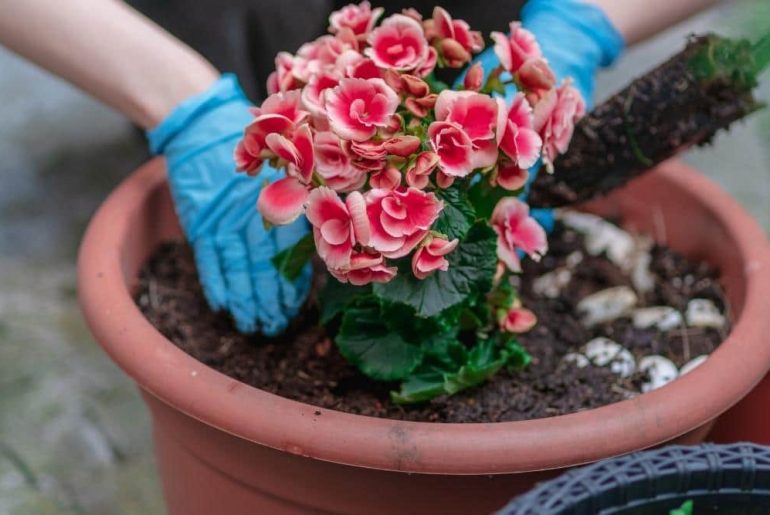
577 39
217 209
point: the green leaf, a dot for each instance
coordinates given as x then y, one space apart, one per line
335 296
420 387
471 270
435 85
366 341
484 197
458 214
685 509
446 370
291 261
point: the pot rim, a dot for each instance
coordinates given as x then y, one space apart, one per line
215 399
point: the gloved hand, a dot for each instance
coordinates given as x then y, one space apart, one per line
217 209
577 39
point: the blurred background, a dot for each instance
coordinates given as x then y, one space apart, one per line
74 436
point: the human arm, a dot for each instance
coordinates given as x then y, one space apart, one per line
109 50
194 119
637 20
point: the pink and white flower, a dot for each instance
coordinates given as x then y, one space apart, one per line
283 201
535 76
297 152
418 174
335 165
431 256
337 226
282 79
515 48
453 147
388 178
477 116
313 93
516 230
518 139
474 78
457 30
357 107
400 219
399 43
517 320
554 119
364 268
279 114
360 19
511 177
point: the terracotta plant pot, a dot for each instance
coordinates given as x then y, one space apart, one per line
225 447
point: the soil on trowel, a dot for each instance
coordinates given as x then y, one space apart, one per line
304 365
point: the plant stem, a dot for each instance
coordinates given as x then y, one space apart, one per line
761 52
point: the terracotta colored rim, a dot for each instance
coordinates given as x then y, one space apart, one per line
213 398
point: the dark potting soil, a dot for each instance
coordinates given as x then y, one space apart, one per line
304 364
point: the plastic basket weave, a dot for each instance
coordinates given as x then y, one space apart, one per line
724 479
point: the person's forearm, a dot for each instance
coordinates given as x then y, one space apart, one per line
639 19
109 50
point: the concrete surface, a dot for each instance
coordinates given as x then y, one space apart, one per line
74 436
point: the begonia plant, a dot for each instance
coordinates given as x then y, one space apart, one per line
413 189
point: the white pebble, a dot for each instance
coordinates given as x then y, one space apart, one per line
704 313
693 364
602 236
574 259
578 359
641 277
551 284
602 351
606 305
663 318
660 372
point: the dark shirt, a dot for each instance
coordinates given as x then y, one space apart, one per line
243 36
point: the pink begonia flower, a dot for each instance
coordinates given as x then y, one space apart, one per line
279 114
366 155
357 107
517 230
431 256
398 43
297 152
516 134
474 78
282 79
418 174
420 107
514 49
453 147
313 93
427 67
400 219
337 226
457 30
364 268
554 119
517 320
352 65
402 146
360 19
443 180
283 201
511 177
477 115
536 76
388 178
334 164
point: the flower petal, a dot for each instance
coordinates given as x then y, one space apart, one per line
282 202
